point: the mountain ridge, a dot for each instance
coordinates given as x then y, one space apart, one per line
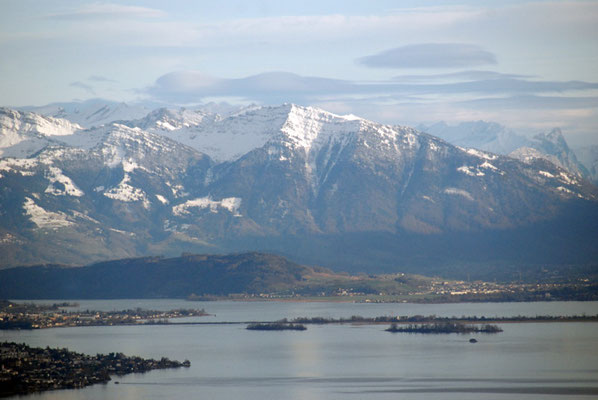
301 173
496 138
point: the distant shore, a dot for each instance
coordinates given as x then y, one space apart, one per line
36 316
420 319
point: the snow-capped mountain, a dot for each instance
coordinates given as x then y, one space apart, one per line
91 113
496 138
323 188
24 133
553 147
167 120
588 156
482 135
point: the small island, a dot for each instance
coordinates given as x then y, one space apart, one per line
276 326
32 369
444 327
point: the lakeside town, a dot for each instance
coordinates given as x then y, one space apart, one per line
25 369
36 316
417 289
443 291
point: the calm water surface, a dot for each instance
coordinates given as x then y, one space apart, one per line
526 361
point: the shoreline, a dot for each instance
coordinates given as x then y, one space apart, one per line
370 301
27 369
403 320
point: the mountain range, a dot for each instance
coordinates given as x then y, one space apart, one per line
337 191
496 138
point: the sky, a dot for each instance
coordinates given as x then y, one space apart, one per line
531 66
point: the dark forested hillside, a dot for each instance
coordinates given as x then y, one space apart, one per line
154 277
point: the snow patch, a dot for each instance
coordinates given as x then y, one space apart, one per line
127 193
471 171
479 154
8 238
477 171
55 175
546 174
231 204
18 165
459 192
564 189
162 199
565 178
177 190
165 125
568 191
351 117
43 218
86 217
122 232
487 165
129 166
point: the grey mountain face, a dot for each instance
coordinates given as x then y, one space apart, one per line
588 156
487 136
495 138
554 146
338 191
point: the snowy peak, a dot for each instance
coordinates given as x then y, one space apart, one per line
165 119
134 148
305 127
28 122
552 142
23 133
482 135
554 146
229 138
311 128
92 113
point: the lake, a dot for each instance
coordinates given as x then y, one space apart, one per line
527 360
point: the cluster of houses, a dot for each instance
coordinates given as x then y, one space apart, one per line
25 369
35 317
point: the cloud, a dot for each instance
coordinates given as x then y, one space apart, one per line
533 102
430 55
278 87
99 78
84 86
503 86
107 10
153 27
268 87
458 76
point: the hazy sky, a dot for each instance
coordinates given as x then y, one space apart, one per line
529 65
